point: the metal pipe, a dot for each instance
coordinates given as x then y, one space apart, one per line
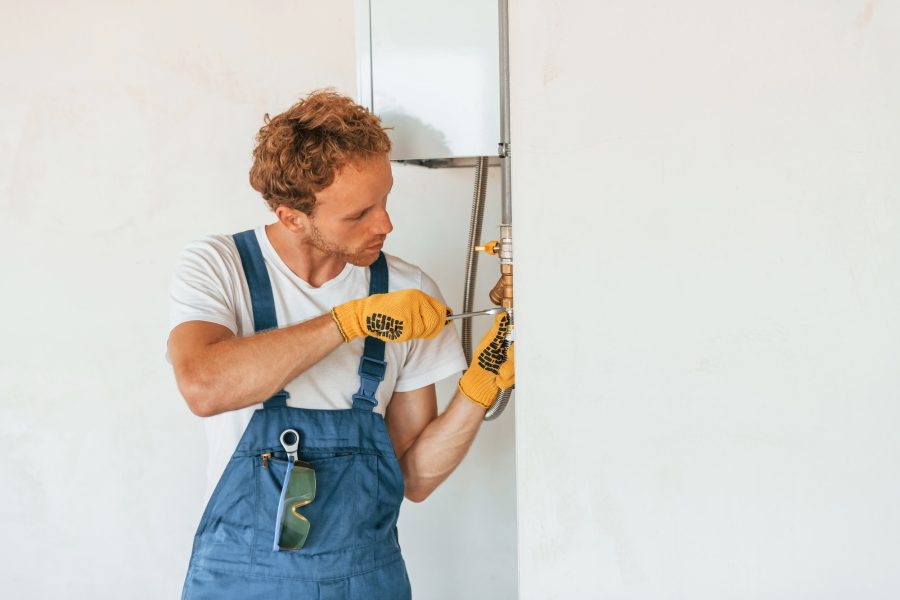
504 150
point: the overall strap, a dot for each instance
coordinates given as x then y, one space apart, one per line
372 365
262 301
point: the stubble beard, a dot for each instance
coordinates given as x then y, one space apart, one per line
343 253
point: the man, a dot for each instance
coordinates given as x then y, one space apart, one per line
342 346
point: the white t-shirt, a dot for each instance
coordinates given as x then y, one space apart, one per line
209 285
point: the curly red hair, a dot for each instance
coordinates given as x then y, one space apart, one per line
302 150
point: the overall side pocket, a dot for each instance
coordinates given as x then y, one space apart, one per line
223 534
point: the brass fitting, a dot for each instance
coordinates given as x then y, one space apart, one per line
489 248
502 293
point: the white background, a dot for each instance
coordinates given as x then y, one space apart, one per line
708 282
125 132
708 298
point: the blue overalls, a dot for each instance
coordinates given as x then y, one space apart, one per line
352 551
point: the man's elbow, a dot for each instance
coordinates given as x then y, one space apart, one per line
416 494
199 403
197 394
200 407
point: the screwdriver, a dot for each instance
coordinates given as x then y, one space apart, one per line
477 313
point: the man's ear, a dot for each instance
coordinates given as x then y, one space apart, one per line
292 219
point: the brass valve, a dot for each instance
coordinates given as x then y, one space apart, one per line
502 294
489 248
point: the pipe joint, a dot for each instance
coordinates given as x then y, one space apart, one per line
506 249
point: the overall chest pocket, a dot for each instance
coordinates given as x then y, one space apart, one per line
343 513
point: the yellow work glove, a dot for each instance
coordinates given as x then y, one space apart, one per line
492 368
394 317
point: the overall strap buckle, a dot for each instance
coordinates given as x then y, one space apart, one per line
371 373
372 368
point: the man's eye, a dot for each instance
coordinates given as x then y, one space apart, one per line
360 215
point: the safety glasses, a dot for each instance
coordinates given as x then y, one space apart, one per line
299 489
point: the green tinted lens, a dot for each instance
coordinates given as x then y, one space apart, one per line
300 492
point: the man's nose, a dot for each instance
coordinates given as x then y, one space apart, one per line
384 226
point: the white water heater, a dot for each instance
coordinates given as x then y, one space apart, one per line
431 71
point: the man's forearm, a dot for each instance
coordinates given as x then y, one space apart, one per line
440 447
242 371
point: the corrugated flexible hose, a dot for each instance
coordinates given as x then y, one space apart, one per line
475 222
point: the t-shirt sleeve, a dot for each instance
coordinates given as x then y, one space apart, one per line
429 361
199 290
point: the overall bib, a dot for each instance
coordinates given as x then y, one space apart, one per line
352 550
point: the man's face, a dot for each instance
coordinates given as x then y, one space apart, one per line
350 220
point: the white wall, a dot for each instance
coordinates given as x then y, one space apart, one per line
708 298
125 132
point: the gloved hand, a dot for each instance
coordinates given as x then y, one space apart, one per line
393 317
492 368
